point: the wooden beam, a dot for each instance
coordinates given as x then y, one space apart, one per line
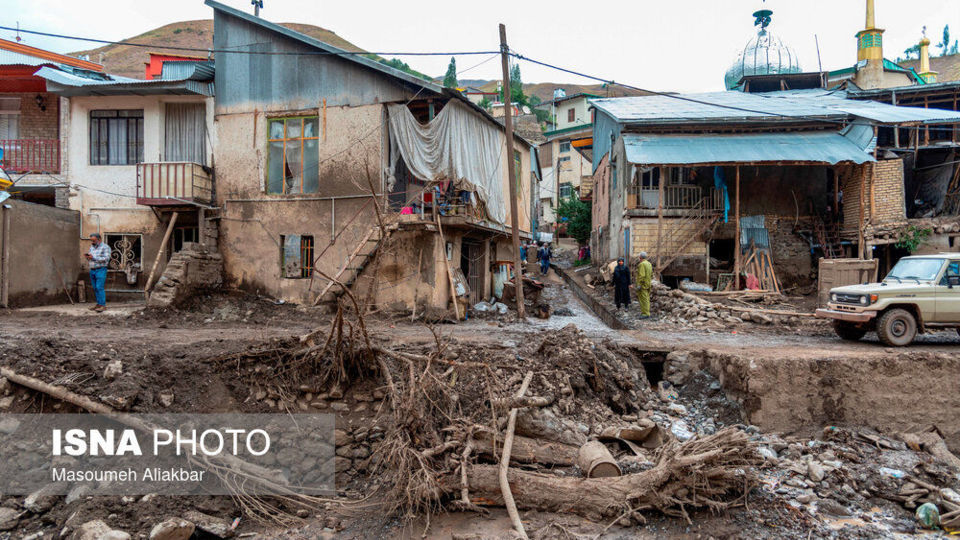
736 239
450 280
160 252
663 179
512 180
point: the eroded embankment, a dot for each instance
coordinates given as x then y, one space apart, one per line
890 392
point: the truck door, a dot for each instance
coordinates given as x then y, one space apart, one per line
947 298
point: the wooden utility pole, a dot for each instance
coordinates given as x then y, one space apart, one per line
736 239
512 174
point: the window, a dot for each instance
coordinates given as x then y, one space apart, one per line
566 190
296 256
953 269
293 161
126 251
564 147
9 118
185 128
116 137
571 115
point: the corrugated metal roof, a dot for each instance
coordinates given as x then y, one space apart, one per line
69 84
11 58
803 147
733 106
187 70
356 58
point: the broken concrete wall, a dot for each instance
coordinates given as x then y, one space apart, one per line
41 240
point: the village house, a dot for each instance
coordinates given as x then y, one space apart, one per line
138 158
332 169
801 167
567 172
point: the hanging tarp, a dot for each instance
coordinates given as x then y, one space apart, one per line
456 145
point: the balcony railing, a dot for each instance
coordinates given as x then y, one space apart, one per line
674 198
173 184
31 155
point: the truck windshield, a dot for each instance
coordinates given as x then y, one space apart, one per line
918 269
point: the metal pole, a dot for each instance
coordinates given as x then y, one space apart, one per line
511 173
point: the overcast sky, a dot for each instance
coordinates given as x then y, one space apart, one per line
679 45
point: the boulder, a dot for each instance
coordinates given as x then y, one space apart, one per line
172 529
8 518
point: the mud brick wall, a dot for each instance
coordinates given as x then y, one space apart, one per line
888 192
888 196
36 123
192 268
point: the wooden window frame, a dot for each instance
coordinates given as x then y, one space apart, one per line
98 120
284 140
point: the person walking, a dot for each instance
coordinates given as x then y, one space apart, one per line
644 283
99 257
621 284
544 258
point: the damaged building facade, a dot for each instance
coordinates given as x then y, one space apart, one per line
334 170
800 169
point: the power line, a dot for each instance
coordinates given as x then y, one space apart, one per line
232 51
708 103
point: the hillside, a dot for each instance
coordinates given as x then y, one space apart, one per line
128 60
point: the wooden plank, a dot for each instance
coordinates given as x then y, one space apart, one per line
163 248
346 265
446 263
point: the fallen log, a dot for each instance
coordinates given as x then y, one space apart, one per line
715 472
596 461
527 450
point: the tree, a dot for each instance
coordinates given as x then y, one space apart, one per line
577 215
450 79
542 115
944 45
911 52
485 103
516 87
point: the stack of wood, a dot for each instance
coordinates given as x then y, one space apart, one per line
759 263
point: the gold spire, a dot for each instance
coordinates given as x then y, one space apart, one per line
871 21
924 72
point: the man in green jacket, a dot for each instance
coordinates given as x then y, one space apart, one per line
644 281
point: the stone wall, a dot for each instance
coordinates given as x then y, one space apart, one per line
192 268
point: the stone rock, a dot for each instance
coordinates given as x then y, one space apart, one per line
42 499
91 530
340 438
9 425
761 318
677 409
172 529
339 406
768 454
8 518
677 367
115 535
166 398
833 508
209 524
806 498
815 471
113 370
6 402
78 491
342 464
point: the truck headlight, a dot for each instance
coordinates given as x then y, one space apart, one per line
864 300
833 297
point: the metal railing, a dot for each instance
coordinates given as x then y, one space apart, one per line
31 155
172 183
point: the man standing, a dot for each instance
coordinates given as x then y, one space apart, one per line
99 257
644 284
621 284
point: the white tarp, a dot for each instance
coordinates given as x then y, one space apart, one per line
457 145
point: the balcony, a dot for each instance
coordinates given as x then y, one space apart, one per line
171 183
30 155
682 197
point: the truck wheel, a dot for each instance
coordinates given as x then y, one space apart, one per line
897 328
849 331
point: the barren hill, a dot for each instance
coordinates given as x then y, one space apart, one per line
128 60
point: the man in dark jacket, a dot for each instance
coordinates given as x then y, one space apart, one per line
621 284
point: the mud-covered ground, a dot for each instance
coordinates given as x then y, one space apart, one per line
179 353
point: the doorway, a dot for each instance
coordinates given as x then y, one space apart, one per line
471 263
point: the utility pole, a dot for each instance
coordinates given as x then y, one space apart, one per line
512 174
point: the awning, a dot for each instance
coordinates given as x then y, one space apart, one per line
826 148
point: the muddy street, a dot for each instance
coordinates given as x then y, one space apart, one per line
824 417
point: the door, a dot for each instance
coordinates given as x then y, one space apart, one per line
948 298
471 263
